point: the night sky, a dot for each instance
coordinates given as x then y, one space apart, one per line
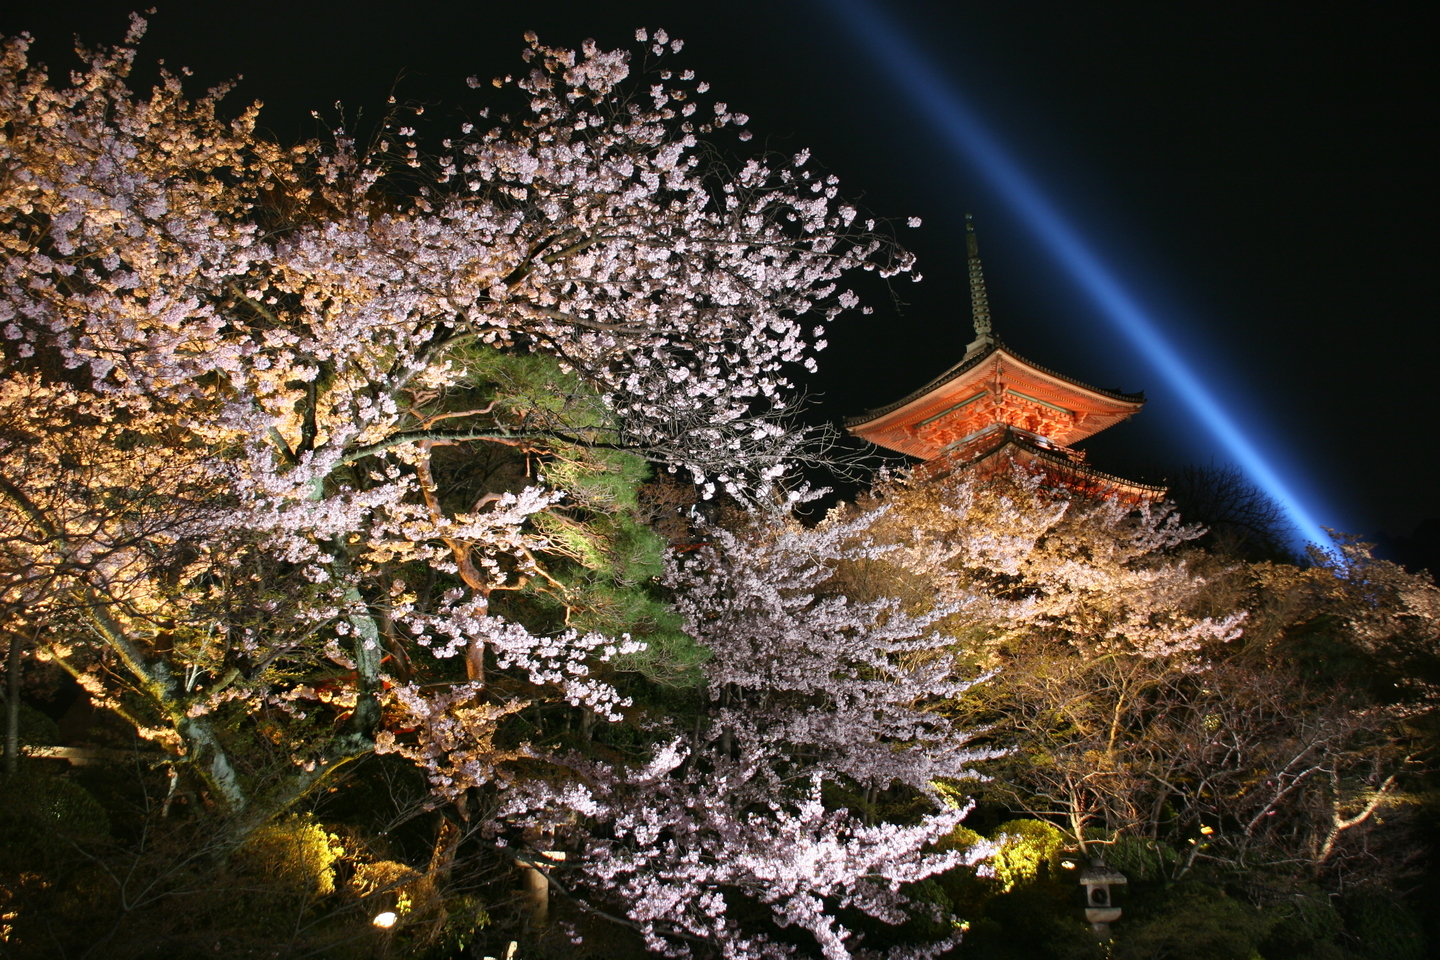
1261 179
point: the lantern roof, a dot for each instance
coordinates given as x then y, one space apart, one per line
1098 872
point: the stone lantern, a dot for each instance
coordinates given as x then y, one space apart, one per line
1098 882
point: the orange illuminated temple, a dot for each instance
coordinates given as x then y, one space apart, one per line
995 408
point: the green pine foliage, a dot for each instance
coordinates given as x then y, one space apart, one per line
605 560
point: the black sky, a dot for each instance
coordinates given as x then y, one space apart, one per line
1263 174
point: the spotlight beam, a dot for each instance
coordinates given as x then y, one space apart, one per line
970 139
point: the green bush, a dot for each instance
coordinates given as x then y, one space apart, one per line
1306 927
36 729
1141 859
1030 923
1029 851
1191 922
47 808
1383 928
296 852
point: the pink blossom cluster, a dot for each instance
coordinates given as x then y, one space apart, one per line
806 687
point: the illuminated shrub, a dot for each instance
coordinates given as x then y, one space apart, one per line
297 852
1029 850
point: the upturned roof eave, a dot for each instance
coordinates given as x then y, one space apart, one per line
970 363
1065 464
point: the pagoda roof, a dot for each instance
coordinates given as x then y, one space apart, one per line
969 363
993 385
1079 476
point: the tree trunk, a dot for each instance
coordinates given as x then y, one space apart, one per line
537 895
429 892
12 707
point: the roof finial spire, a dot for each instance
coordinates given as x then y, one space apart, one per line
979 302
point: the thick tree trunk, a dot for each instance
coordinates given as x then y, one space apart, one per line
537 895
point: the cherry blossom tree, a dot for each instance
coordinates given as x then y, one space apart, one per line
807 688
1081 609
277 423
1186 709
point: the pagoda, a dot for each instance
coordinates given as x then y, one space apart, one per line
995 409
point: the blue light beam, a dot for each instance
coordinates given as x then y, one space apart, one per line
969 138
